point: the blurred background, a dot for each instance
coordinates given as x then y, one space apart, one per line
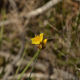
58 20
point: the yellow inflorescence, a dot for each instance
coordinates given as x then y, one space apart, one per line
39 40
44 41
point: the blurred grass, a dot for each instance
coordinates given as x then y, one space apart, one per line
2 28
21 61
58 16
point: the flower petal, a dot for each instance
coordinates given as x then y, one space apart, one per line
41 37
36 42
37 39
44 41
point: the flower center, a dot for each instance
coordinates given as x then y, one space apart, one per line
37 38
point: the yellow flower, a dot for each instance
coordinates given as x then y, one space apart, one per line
39 40
44 41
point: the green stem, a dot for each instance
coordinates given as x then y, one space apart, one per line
33 66
29 64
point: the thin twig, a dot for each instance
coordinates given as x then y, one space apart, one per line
32 13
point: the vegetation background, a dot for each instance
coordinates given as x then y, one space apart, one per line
59 20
